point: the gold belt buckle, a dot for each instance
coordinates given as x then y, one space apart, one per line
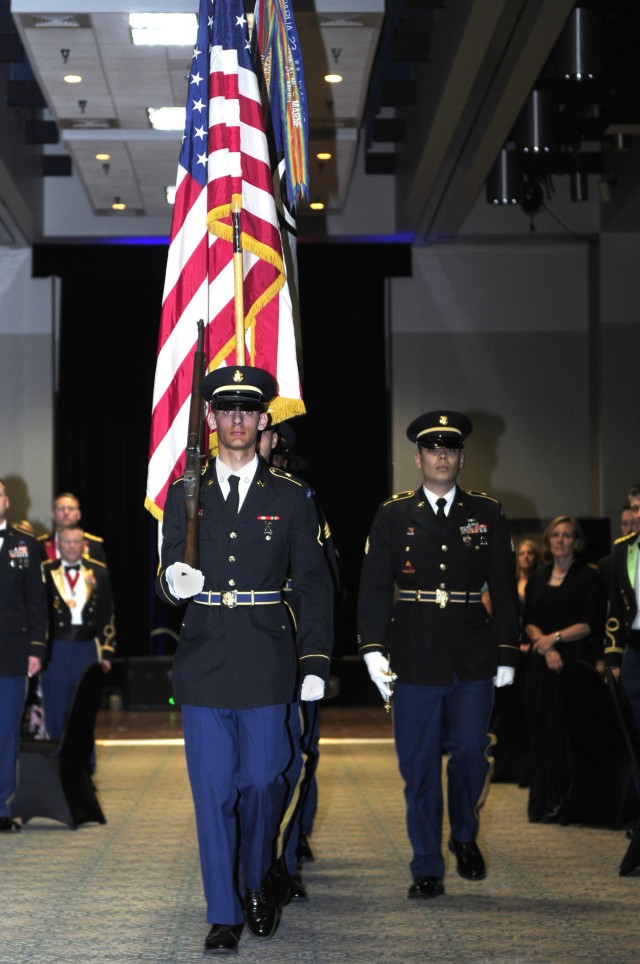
230 598
442 598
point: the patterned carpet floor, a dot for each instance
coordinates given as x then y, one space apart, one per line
131 891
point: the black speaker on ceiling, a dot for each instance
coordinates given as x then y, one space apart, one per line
24 93
56 165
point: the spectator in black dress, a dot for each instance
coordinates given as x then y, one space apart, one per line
563 618
509 718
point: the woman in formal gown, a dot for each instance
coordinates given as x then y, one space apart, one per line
563 617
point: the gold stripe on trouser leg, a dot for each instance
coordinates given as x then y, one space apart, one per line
295 796
489 757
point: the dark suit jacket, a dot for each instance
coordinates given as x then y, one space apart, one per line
246 657
409 548
23 605
622 602
97 612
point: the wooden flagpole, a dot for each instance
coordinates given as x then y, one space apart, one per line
238 282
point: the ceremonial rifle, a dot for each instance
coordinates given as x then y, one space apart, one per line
193 460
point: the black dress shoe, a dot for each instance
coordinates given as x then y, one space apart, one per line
426 887
7 825
470 861
261 912
280 883
303 850
298 891
223 938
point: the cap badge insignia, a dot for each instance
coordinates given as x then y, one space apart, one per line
238 376
443 420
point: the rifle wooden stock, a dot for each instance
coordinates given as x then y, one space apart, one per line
193 460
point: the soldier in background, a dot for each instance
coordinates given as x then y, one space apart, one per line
23 634
66 511
81 624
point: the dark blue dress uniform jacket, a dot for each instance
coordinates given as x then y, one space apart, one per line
410 548
97 612
23 606
248 656
622 602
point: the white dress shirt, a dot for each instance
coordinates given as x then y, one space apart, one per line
245 475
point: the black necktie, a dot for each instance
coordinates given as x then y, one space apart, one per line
233 499
441 504
75 568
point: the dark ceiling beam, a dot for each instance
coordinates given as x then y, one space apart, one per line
494 52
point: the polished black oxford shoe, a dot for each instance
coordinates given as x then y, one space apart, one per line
261 911
7 825
298 891
223 938
426 887
303 850
280 883
470 861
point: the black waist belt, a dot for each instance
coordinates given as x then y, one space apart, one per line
442 597
233 597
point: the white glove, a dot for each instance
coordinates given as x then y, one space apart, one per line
183 580
504 676
378 666
312 689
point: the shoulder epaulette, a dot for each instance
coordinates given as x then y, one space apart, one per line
48 563
281 474
629 535
481 495
90 535
94 562
44 537
398 496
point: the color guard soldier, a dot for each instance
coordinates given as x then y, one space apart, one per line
438 547
238 666
23 635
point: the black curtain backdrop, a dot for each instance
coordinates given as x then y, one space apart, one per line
111 297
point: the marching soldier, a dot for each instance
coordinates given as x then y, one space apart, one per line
439 547
238 668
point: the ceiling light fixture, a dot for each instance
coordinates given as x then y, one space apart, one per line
324 155
167 118
333 78
163 29
103 157
317 205
118 204
170 193
72 79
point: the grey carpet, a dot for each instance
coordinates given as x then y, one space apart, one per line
131 891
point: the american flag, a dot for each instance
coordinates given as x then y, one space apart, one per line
224 156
